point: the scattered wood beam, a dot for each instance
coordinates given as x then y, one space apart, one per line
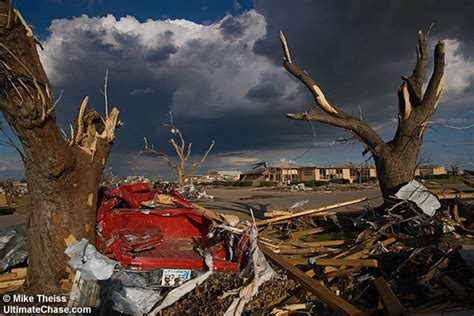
309 212
390 301
336 303
348 262
305 232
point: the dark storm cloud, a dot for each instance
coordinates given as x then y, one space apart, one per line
264 92
357 50
225 82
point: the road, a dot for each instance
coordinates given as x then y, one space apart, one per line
239 201
9 218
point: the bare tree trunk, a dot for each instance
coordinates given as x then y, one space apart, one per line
396 160
182 151
395 168
63 175
179 176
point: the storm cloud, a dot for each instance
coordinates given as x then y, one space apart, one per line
224 81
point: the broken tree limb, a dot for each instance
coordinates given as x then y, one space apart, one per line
395 160
336 303
309 212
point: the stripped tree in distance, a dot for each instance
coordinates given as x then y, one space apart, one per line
182 150
397 159
62 173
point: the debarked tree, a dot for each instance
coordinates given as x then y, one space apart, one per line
62 174
397 159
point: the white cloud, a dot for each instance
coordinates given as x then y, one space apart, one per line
209 69
236 161
459 69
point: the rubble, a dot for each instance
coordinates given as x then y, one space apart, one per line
194 193
411 253
300 187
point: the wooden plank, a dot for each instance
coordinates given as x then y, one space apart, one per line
208 213
309 212
390 301
12 284
348 262
303 251
355 255
15 274
303 261
276 213
450 196
305 232
336 303
319 243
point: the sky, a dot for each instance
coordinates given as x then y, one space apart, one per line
217 66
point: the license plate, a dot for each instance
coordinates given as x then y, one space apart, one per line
175 277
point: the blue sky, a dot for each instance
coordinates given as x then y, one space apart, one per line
217 66
40 13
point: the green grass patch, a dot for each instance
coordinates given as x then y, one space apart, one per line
20 203
450 180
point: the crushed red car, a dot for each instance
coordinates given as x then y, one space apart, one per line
162 236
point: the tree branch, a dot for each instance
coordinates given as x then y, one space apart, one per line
360 129
332 115
196 164
417 78
436 84
303 76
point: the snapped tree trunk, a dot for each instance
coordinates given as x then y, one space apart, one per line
62 174
396 160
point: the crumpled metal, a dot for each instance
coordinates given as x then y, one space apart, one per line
416 192
13 249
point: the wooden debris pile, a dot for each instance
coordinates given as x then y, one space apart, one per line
394 260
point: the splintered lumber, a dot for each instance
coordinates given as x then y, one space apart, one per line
276 213
305 232
309 212
318 243
12 281
390 301
348 262
336 303
15 274
208 213
295 261
357 254
451 196
303 251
